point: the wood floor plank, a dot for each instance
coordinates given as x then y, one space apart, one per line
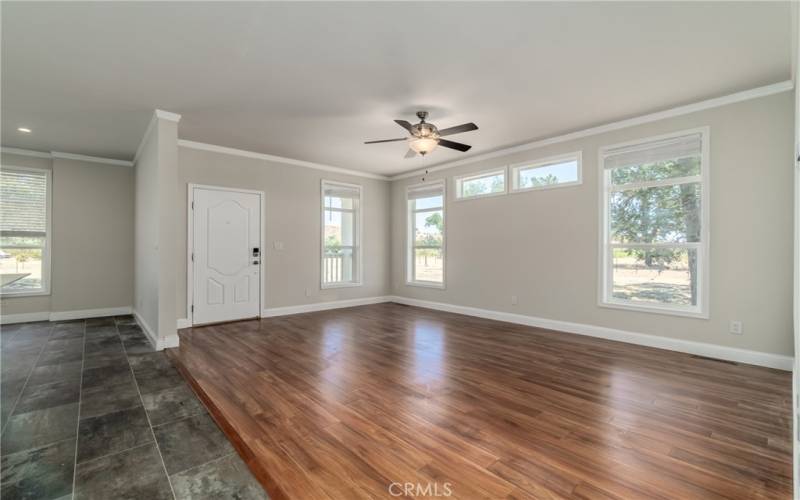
350 403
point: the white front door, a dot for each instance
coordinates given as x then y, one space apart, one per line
226 255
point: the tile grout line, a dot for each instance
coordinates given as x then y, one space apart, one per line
114 453
27 379
147 416
78 424
206 463
179 419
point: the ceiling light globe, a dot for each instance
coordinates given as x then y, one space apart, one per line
422 145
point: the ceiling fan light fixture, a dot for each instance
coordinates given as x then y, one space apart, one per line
422 145
424 137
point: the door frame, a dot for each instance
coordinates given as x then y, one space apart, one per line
190 244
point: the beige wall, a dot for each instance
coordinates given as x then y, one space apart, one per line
544 244
92 237
292 217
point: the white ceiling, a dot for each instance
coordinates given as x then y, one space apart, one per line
313 81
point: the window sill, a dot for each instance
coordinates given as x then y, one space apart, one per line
339 285
655 310
423 284
39 293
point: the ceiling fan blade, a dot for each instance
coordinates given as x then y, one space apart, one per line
385 140
410 153
454 145
404 124
466 127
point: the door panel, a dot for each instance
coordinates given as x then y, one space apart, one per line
227 229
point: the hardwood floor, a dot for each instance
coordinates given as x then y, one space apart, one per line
346 403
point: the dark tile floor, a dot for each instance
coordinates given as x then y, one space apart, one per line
89 410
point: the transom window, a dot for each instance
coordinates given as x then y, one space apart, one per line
655 230
557 171
481 184
341 234
426 240
24 231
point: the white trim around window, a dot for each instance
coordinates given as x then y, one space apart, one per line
460 180
327 280
516 169
48 240
425 190
701 247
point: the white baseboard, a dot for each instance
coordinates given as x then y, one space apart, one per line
151 336
322 306
686 346
7 319
158 343
306 308
89 313
167 342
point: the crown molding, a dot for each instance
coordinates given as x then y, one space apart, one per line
166 115
158 114
66 156
91 159
25 152
279 159
716 102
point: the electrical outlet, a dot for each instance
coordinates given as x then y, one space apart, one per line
309 292
277 245
514 300
736 327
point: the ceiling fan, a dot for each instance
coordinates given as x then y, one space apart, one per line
425 136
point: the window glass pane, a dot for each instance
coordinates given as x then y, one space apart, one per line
645 172
338 202
668 214
429 228
338 265
23 241
428 265
340 239
430 202
548 175
647 276
339 228
20 269
488 184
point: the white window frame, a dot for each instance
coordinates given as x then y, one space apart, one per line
46 253
410 263
358 248
605 281
516 168
458 183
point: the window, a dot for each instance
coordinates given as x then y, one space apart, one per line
24 231
425 251
655 224
558 171
481 184
341 234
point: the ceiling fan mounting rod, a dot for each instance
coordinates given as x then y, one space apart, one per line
422 115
